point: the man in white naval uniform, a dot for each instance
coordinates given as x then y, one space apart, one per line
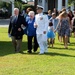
41 24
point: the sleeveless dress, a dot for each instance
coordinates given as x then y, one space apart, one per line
50 33
64 28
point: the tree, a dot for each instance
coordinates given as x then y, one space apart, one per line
4 4
71 1
18 4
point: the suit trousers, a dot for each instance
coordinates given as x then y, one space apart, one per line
42 41
16 43
30 43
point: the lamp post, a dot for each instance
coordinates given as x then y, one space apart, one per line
12 2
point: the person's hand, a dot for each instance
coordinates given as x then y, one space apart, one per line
44 32
19 29
71 30
35 25
54 31
23 27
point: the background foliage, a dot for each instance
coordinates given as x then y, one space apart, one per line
18 3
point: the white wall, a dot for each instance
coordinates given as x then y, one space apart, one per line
59 5
45 5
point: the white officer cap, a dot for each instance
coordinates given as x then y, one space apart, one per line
40 7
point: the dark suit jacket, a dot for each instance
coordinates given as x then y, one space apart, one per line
13 26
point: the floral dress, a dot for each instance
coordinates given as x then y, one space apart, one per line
64 28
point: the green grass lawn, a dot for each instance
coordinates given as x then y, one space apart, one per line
58 61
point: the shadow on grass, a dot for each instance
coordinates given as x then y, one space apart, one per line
59 48
51 54
58 54
72 44
6 48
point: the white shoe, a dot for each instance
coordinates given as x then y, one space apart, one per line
41 53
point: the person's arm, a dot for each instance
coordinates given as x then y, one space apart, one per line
24 23
35 23
46 24
70 24
52 28
59 22
10 27
50 20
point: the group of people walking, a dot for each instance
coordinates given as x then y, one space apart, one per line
39 28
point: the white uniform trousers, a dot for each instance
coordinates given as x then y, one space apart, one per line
42 41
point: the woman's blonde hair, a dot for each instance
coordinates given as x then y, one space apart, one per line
62 15
64 9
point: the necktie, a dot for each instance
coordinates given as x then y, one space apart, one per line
15 19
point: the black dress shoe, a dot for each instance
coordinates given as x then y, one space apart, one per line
35 50
30 52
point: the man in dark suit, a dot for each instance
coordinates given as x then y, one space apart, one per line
15 29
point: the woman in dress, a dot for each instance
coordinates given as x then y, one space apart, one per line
64 30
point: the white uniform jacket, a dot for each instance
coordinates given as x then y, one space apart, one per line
42 23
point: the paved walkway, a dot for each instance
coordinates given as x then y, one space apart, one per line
4 22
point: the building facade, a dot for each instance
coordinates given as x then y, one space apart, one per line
51 4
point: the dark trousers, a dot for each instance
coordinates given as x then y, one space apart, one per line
31 43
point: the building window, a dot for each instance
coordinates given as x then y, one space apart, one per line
63 3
